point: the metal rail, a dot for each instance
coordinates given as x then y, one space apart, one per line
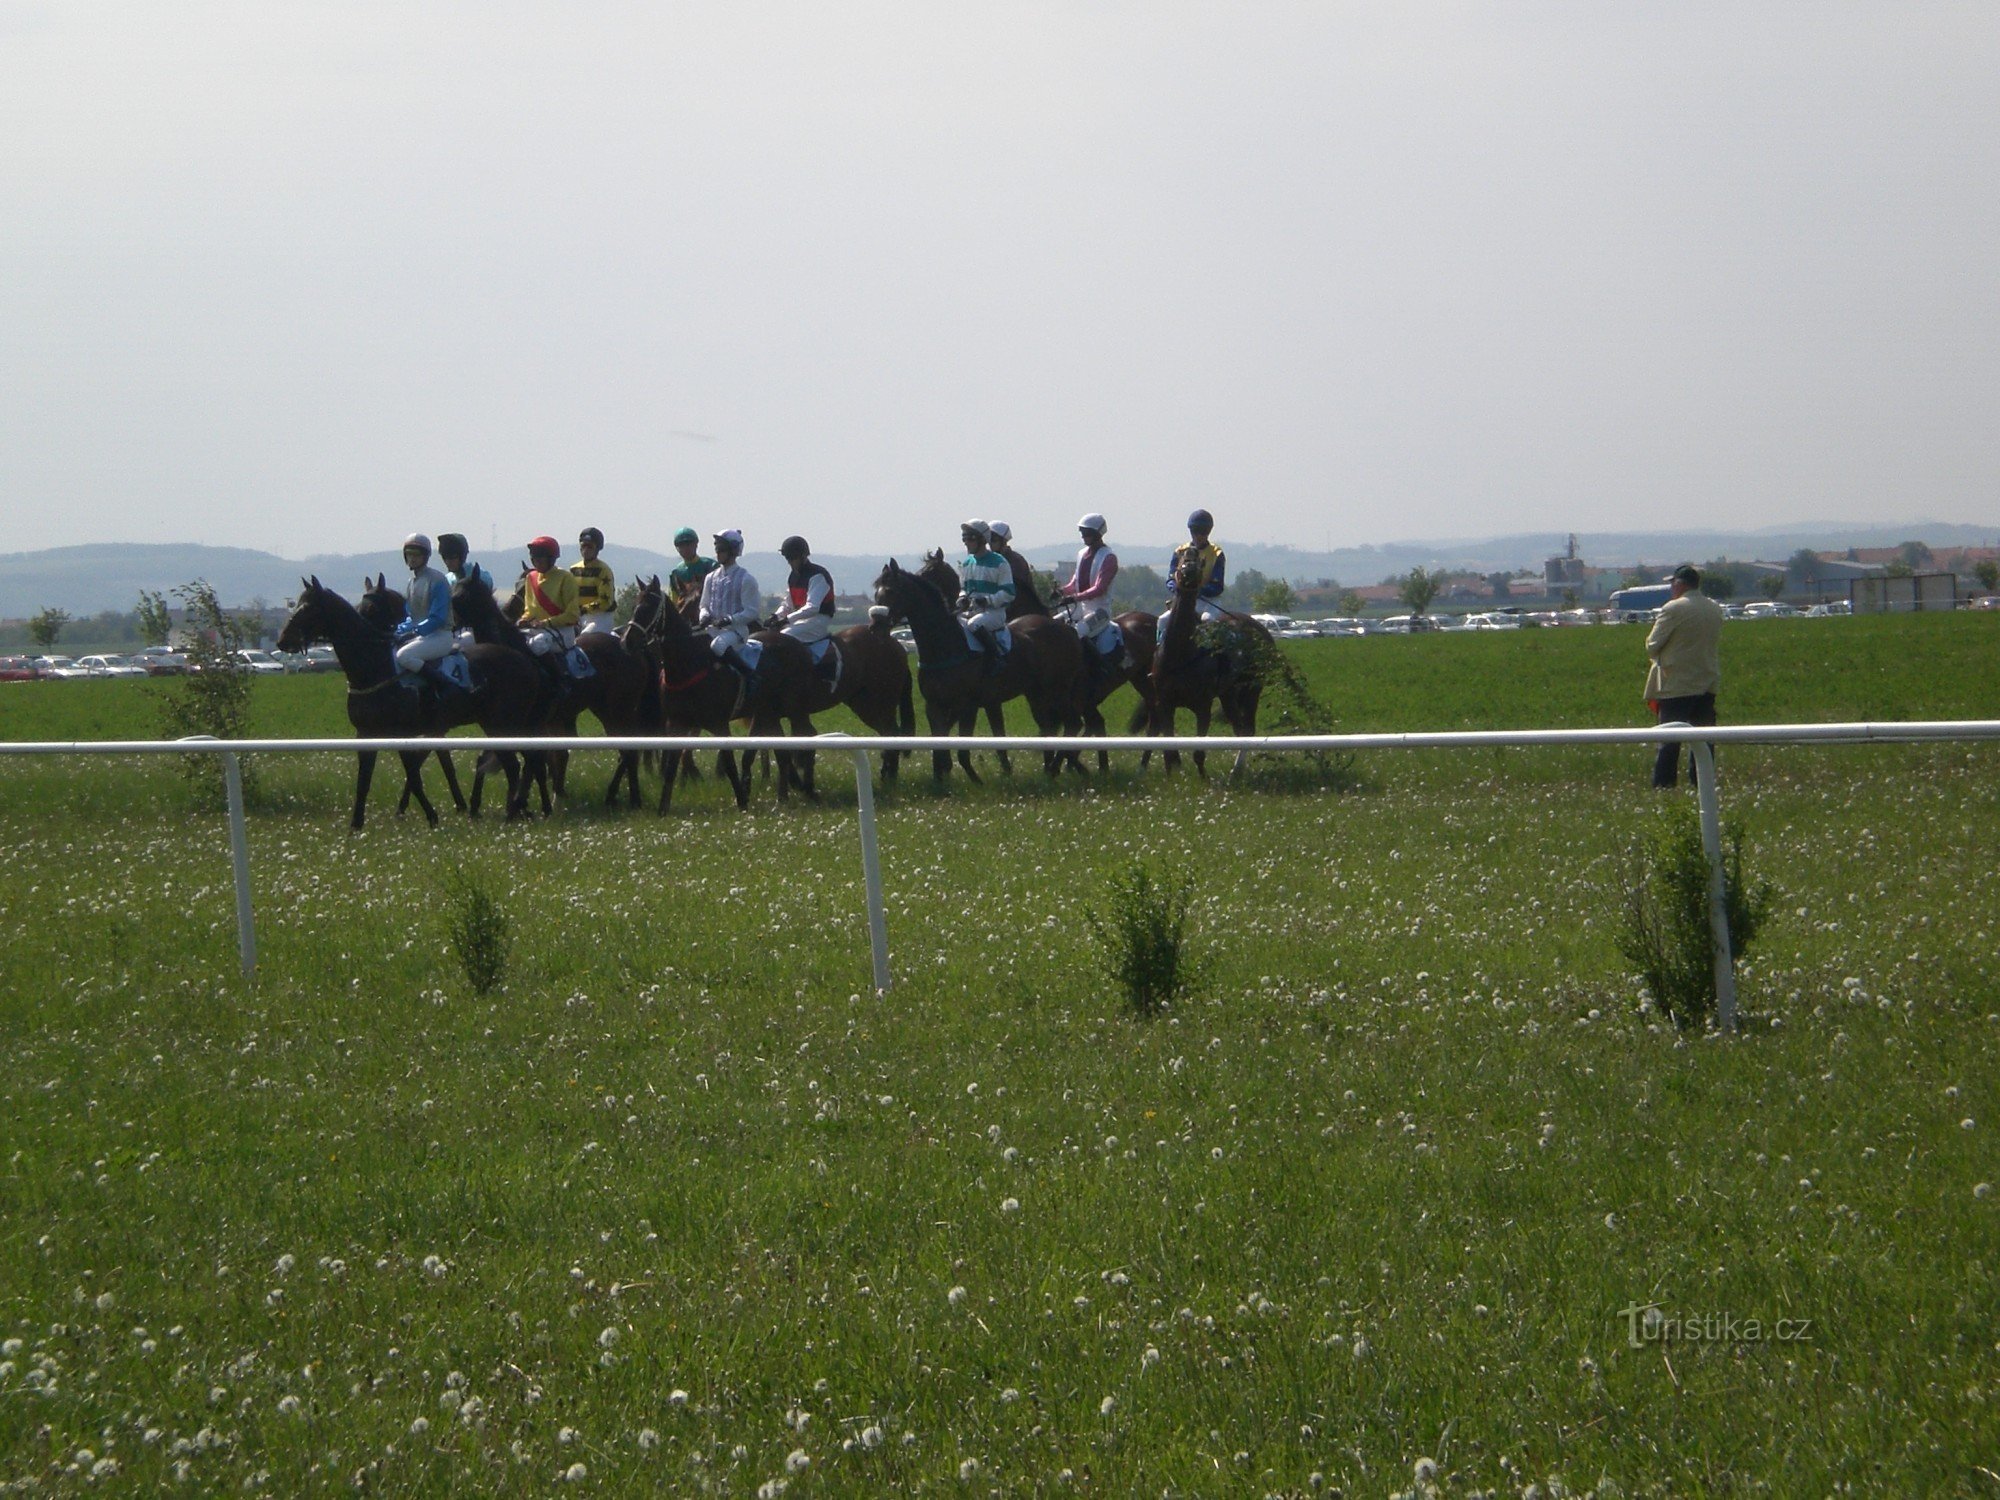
863 747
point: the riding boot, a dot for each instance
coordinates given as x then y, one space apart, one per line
992 644
734 657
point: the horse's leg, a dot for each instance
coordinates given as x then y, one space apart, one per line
1093 724
738 774
364 774
940 725
670 770
1202 715
1162 723
413 782
478 785
802 727
996 720
967 723
451 780
517 784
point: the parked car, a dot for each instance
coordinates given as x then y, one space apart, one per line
60 667
321 659
160 661
261 662
111 666
18 669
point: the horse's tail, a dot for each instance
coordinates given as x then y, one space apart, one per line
1142 715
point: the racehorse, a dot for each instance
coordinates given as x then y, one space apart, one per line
619 692
1186 676
380 706
616 694
1093 683
955 681
701 693
383 607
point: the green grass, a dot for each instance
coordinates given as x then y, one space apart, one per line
1378 1192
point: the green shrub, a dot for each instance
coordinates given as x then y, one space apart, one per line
1665 930
213 697
1144 942
478 931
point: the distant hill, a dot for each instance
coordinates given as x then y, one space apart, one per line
109 575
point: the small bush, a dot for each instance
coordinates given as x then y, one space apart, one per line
1144 942
1665 933
478 931
213 698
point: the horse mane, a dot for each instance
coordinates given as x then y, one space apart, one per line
485 618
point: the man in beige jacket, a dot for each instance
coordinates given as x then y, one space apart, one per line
1685 647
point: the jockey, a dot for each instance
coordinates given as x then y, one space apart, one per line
424 633
548 600
596 592
1206 561
729 602
452 553
807 612
987 588
684 583
1088 591
1017 565
1096 566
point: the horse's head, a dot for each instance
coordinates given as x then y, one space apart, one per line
889 586
650 604
939 574
381 606
308 622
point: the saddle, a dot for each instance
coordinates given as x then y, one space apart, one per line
827 662
447 675
1002 638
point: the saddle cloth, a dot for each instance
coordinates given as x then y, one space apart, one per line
1004 636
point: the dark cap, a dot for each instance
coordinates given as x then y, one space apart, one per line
1688 574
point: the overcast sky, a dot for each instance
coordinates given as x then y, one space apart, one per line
306 277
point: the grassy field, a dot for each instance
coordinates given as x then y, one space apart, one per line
686 1207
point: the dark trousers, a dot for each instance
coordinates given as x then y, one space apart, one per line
1698 710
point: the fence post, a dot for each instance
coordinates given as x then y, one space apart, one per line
239 856
871 864
1718 900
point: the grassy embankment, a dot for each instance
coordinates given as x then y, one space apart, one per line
686 1207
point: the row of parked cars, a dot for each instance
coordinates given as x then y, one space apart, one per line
158 661
1286 628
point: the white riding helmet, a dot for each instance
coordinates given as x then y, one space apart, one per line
1002 532
418 540
1092 522
730 538
977 528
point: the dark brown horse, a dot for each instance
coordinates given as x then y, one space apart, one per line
955 681
381 706
618 694
704 695
1093 683
1188 676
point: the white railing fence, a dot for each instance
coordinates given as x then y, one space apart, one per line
863 747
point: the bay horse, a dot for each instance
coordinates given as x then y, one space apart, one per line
380 706
619 694
699 692
1094 684
1093 687
1187 677
622 693
954 680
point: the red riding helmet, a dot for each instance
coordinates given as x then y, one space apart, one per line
544 544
